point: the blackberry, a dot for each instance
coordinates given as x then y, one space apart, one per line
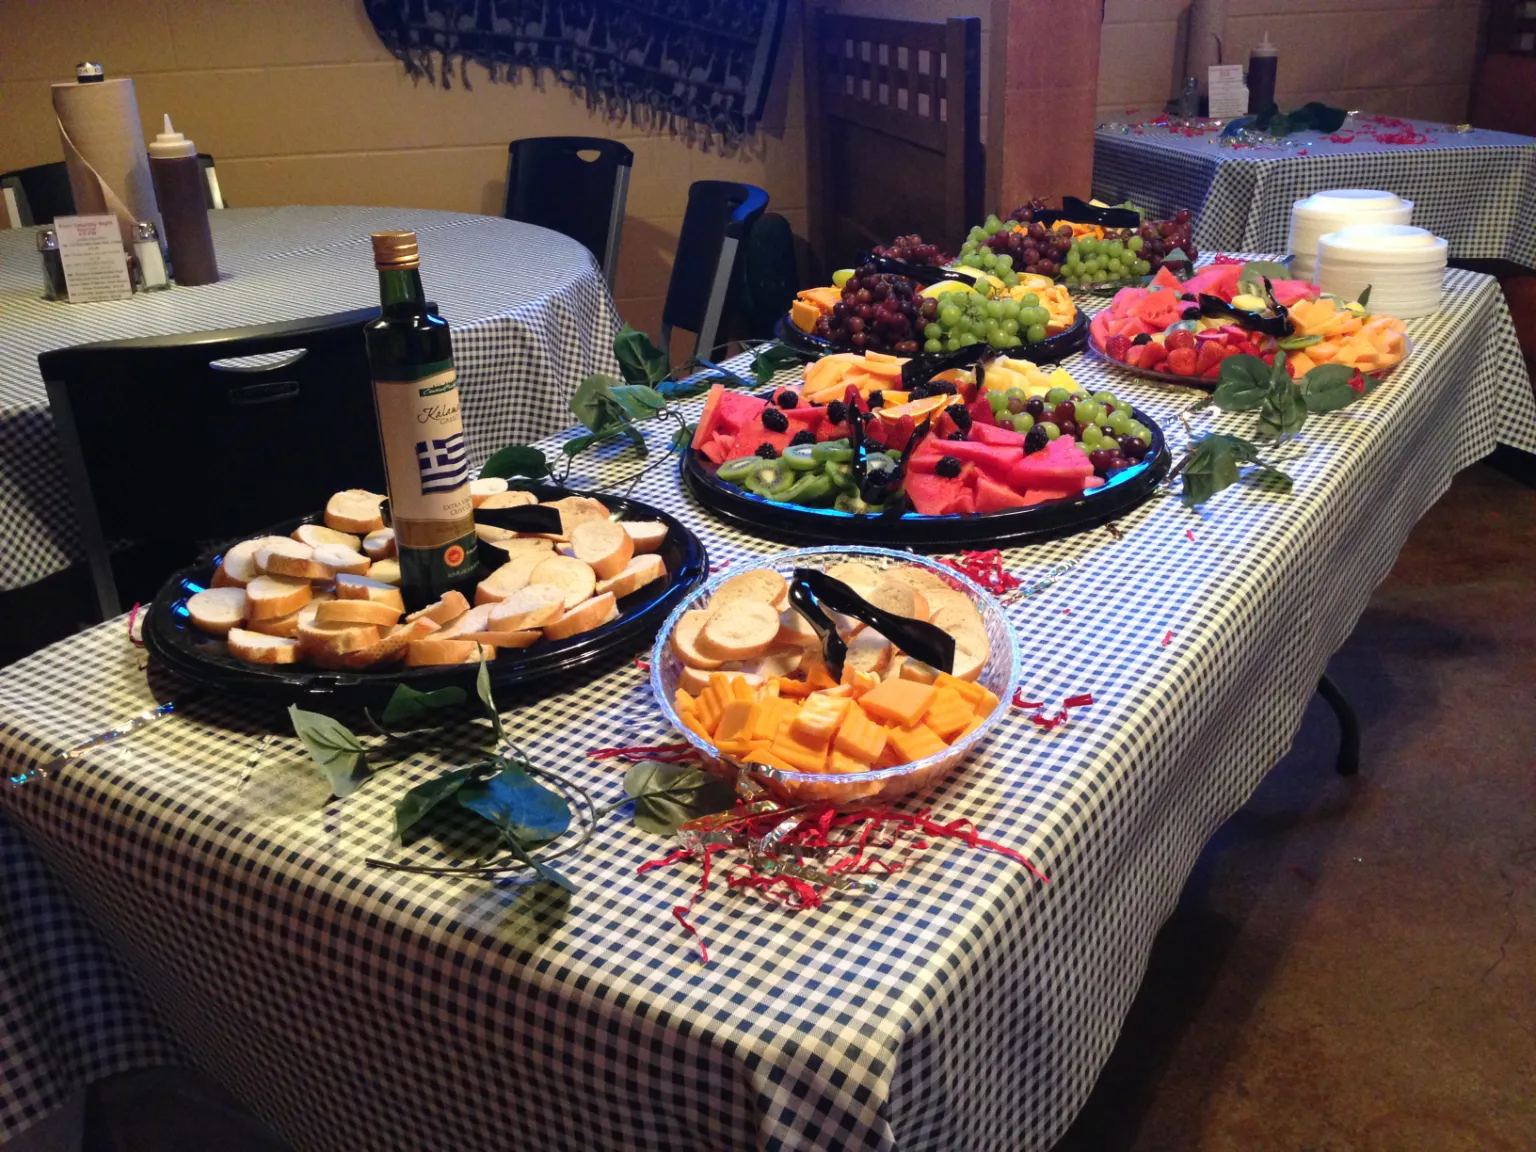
1035 440
920 392
767 451
837 412
961 415
1190 313
804 436
1142 338
948 467
1190 296
775 420
942 388
876 400
957 434
787 399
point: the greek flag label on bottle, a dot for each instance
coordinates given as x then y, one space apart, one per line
424 450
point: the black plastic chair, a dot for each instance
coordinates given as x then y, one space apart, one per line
551 184
172 448
720 214
766 281
38 194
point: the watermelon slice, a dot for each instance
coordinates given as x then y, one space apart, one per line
709 418
1215 280
993 459
718 450
736 409
805 418
935 495
1099 328
996 434
1158 310
1059 466
992 496
753 435
1287 292
1166 279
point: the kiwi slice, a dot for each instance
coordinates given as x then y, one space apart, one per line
737 470
838 451
769 477
800 457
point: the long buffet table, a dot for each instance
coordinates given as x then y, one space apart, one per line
188 891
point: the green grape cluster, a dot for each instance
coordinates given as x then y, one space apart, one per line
1091 261
966 318
975 253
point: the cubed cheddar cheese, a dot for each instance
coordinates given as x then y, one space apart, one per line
859 737
971 691
839 762
948 715
896 701
802 757
915 743
819 718
738 719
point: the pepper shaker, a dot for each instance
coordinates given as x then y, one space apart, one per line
148 259
54 287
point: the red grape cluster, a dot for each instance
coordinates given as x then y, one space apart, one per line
912 250
879 312
1160 237
1035 248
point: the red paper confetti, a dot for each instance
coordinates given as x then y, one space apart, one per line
1189 534
1066 611
133 615
1223 258
643 664
1050 716
1167 638
666 753
986 568
722 564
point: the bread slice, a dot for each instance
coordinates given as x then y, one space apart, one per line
327 645
514 545
861 577
587 615
738 630
510 577
292 558
482 652
762 584
222 579
640 571
449 608
356 510
685 640
239 564
868 652
920 578
648 535
603 546
490 534
477 619
350 587
956 617
217 610
391 644
317 534
503 639
532 607
385 571
504 498
380 545
898 598
770 665
421 653
917 671
574 511
795 631
483 488
357 612
269 596
972 649
575 578
951 606
339 558
256 648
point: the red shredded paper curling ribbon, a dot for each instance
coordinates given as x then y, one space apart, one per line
986 568
1223 258
1048 715
1189 534
1167 638
133 615
828 835
666 753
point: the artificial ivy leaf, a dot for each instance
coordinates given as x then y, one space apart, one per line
1284 410
1212 466
593 402
1244 382
1272 477
722 374
1176 256
1251 278
636 440
408 705
413 807
576 445
683 437
1329 387
519 805
771 359
553 875
483 690
516 460
639 359
340 757
639 401
667 795
1365 296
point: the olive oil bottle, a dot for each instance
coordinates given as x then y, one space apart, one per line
410 356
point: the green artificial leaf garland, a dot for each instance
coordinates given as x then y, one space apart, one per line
1216 462
1242 385
516 460
771 359
1365 296
483 690
414 807
341 758
1283 410
411 706
594 404
1253 274
666 795
640 361
1329 387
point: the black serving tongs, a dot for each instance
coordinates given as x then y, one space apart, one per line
1279 325
1076 211
523 518
919 273
810 589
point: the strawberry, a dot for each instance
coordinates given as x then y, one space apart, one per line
1248 348
1136 355
1268 358
1117 348
1183 338
1207 358
1182 360
1155 356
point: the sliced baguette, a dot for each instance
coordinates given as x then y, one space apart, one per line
532 607
761 584
443 611
640 571
477 619
868 652
920 578
339 558
328 645
269 596
284 556
573 577
795 631
380 545
420 653
739 630
350 587
504 498
587 615
356 510
391 644
222 579
971 652
648 535
481 652
510 577
503 639
958 617
859 576
239 564
574 511
357 612
256 648
217 610
483 488
685 640
603 546
514 545
898 598
317 534
385 571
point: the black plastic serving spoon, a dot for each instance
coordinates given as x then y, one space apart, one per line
810 589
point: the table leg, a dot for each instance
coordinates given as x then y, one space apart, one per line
1348 763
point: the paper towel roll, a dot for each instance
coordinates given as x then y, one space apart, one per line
103 142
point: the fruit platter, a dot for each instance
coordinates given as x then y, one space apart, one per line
314 607
798 671
1085 245
1009 451
1180 332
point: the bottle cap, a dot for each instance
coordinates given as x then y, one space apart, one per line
171 144
47 240
146 230
1264 47
89 73
395 250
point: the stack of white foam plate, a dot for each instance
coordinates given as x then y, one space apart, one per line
1324 212
1402 265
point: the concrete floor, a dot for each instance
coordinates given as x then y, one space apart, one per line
1352 966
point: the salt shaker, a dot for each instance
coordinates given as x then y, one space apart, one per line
54 287
148 258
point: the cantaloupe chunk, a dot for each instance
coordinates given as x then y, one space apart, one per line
859 737
949 713
819 718
916 742
737 720
898 701
1300 363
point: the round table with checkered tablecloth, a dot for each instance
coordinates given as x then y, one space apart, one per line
530 311
1475 188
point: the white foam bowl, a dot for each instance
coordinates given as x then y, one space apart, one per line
1325 212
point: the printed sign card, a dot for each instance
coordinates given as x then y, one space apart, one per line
1229 95
95 266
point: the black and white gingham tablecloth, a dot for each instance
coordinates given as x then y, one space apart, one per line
530 311
963 1006
1477 189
